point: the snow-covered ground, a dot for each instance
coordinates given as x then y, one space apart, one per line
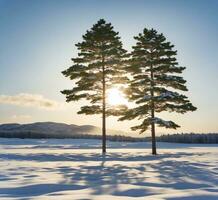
75 169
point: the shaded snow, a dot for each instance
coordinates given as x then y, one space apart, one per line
161 121
163 95
147 97
75 169
167 94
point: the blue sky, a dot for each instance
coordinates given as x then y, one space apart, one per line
37 41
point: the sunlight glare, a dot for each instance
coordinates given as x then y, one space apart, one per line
116 97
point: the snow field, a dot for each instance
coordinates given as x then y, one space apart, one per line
75 169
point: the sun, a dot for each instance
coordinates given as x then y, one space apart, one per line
116 97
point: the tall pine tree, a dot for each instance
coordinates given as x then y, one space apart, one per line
97 68
155 83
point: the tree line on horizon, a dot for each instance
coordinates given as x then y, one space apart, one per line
31 134
148 76
193 138
185 138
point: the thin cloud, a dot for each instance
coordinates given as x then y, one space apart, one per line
21 117
31 100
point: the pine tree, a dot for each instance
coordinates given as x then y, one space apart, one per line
97 68
155 83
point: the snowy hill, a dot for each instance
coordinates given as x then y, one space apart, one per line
54 129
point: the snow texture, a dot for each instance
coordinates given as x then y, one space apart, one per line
167 95
163 95
147 97
171 77
157 120
75 169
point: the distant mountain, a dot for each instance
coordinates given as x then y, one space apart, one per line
52 128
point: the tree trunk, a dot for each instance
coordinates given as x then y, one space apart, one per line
154 151
103 111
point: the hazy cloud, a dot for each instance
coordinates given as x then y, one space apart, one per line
21 117
31 100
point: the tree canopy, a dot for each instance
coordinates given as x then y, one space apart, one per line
98 67
155 83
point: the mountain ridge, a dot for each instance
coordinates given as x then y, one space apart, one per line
57 128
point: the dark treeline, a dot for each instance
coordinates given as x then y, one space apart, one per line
209 138
37 135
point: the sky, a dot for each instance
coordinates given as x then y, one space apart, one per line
37 39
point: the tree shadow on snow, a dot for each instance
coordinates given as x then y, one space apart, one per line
105 174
